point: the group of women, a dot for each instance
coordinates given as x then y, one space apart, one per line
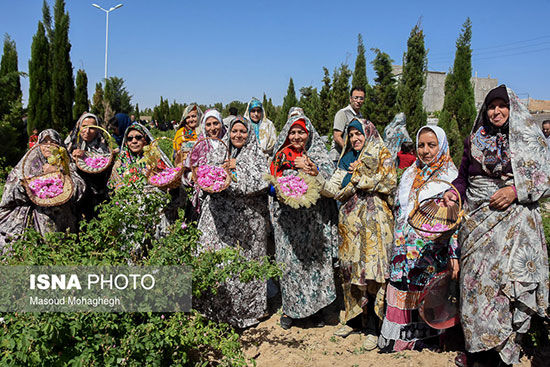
498 254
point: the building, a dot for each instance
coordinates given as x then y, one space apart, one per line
434 94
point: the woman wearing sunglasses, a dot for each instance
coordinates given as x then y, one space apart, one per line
128 161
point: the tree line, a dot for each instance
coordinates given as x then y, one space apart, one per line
56 101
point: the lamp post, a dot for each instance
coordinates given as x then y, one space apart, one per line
107 31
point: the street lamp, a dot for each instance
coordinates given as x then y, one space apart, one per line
107 31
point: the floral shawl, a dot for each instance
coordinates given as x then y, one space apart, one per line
266 134
127 161
73 141
285 158
314 148
395 134
524 147
418 175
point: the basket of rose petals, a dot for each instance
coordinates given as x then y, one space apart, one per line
159 174
431 219
208 176
95 162
296 190
50 188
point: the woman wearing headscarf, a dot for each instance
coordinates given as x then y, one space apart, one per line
265 132
120 122
504 173
238 218
416 258
18 212
129 161
89 140
304 237
211 127
189 130
364 183
395 134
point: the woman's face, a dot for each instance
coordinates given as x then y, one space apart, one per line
428 146
356 139
256 114
238 135
191 120
46 148
498 112
212 126
88 134
136 141
297 137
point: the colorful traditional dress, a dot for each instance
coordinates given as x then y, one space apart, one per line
238 217
504 262
266 135
185 137
18 212
305 237
415 259
365 220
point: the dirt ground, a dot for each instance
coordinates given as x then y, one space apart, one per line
306 346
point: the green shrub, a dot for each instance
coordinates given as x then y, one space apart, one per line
126 339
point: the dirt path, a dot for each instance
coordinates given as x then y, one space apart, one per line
303 346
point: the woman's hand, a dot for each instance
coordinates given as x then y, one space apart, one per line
77 153
230 164
454 267
450 198
311 169
503 198
301 162
353 166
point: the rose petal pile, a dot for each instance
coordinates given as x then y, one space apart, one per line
292 186
211 177
165 176
438 227
46 188
96 161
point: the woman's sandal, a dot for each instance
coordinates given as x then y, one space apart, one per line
286 322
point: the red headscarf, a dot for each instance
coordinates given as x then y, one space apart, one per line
284 159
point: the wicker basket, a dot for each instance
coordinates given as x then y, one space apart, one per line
194 169
429 212
80 162
151 171
68 186
305 201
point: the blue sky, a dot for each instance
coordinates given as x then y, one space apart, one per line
219 51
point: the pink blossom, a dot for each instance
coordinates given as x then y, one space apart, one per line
183 225
46 188
438 227
164 176
293 186
211 177
96 161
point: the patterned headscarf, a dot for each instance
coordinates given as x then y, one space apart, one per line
489 144
74 142
122 121
349 155
265 132
199 153
234 152
395 134
418 176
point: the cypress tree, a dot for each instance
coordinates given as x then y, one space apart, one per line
411 86
384 93
12 126
269 109
360 75
9 77
340 91
39 107
137 113
289 101
118 97
97 102
62 95
47 20
311 105
459 111
81 94
325 121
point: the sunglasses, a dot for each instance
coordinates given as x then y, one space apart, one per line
137 137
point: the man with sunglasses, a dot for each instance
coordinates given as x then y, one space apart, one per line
342 118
